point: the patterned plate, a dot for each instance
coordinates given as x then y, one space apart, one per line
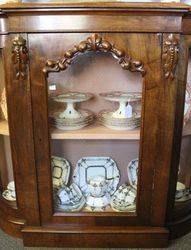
69 199
60 171
119 96
88 167
124 199
72 97
132 172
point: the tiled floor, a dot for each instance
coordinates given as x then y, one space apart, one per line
9 243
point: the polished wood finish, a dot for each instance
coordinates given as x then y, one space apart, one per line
95 43
46 37
96 237
20 122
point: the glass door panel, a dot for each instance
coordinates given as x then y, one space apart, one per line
7 184
183 192
95 117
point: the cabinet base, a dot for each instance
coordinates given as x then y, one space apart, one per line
96 237
180 228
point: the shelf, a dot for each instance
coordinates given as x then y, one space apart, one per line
4 128
93 132
85 212
96 132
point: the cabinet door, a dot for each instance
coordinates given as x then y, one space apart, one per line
17 168
101 159
179 206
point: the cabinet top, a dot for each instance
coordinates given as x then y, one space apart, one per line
92 5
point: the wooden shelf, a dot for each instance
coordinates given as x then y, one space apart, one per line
4 128
96 132
93 132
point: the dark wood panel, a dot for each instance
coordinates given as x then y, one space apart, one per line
95 22
167 101
96 237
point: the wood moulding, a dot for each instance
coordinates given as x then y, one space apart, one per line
170 55
94 43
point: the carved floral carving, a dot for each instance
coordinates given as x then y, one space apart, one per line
94 43
20 57
170 55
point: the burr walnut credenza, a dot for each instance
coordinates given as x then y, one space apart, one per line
95 129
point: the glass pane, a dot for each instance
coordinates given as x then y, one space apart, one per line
95 121
183 193
7 184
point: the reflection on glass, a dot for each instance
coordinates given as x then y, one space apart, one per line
95 120
7 184
183 193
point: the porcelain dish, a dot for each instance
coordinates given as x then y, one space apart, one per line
182 193
106 119
69 199
85 119
10 193
92 167
187 106
71 118
118 96
132 172
60 171
127 116
124 199
73 97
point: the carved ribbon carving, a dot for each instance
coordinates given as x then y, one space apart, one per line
94 43
20 57
170 55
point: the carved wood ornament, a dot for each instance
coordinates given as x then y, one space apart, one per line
170 55
94 43
20 57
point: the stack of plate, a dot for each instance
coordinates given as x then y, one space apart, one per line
125 117
70 118
106 119
85 119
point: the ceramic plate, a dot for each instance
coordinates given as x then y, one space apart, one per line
132 172
10 194
72 97
182 193
106 119
187 106
88 167
119 96
98 204
124 199
86 119
60 171
69 199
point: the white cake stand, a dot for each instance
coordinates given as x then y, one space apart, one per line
70 99
124 99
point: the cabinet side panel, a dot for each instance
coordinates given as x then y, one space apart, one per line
21 135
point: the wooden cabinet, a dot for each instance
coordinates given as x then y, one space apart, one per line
48 49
